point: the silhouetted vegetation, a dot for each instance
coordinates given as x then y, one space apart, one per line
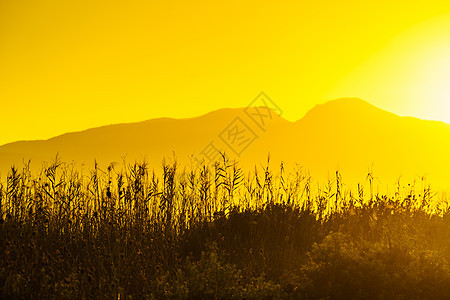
216 232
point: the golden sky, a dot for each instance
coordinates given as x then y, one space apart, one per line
72 65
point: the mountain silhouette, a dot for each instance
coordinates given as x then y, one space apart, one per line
348 134
354 136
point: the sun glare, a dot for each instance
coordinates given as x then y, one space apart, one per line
410 76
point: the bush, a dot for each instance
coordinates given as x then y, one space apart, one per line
342 268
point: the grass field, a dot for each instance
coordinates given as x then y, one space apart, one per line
217 232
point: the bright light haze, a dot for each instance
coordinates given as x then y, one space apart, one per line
71 65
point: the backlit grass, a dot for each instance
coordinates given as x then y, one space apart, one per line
217 232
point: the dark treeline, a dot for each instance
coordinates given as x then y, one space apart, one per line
216 232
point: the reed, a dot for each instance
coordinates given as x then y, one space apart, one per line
124 230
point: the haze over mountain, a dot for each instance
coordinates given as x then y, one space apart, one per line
348 134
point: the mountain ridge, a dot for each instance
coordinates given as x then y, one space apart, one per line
317 107
347 132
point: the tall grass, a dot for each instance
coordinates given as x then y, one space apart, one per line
214 231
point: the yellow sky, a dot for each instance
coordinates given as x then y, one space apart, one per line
71 65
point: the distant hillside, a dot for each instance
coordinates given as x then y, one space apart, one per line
152 140
353 135
348 134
